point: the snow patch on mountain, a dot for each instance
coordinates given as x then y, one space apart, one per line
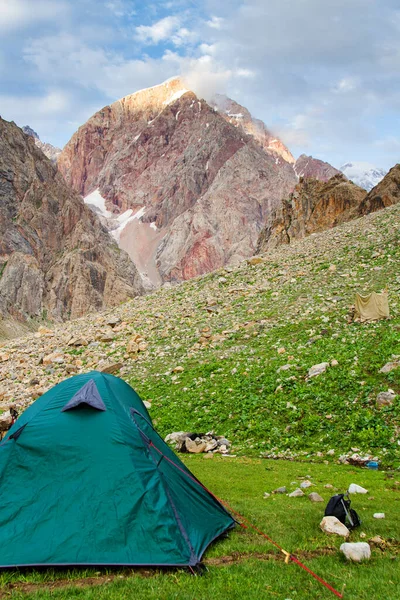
97 203
363 174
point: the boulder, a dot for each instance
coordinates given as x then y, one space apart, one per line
297 493
357 551
305 484
111 369
385 398
356 489
390 366
334 526
315 497
316 370
280 490
194 446
6 421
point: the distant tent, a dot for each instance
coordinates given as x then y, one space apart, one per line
372 307
86 480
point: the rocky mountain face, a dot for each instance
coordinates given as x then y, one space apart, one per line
56 259
241 118
307 166
314 206
48 150
386 193
198 187
363 174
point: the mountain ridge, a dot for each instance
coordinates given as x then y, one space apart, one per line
55 256
173 156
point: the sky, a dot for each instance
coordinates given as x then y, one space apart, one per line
324 75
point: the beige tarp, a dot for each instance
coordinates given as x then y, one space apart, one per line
372 307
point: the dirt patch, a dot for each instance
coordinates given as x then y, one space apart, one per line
237 557
230 559
29 588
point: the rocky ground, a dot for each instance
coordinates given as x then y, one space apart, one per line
232 350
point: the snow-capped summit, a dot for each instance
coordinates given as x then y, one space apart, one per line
363 174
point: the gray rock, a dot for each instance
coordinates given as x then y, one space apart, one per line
390 366
385 398
280 490
316 370
305 484
315 497
357 551
296 494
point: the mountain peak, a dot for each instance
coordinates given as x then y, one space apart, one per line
29 131
240 117
363 174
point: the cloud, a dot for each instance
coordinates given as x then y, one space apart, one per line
215 22
16 14
159 31
328 84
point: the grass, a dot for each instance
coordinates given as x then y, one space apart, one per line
244 564
291 303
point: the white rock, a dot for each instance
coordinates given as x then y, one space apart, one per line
356 551
317 369
147 404
175 436
296 493
356 489
333 525
305 484
379 515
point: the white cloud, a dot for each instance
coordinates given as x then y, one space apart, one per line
321 83
184 37
347 84
16 14
159 31
215 22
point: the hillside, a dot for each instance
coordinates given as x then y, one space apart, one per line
245 339
56 259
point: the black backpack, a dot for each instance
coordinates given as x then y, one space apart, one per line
339 507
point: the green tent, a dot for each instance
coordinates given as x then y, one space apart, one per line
86 480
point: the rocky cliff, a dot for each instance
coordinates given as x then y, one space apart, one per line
386 193
56 259
199 188
314 206
241 118
52 152
307 166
